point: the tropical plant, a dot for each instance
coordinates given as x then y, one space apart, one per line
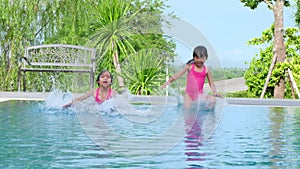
143 71
120 28
112 34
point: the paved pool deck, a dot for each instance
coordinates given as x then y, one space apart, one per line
229 85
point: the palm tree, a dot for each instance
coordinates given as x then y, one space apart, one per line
113 33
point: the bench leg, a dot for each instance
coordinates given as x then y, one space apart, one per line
19 79
92 80
24 81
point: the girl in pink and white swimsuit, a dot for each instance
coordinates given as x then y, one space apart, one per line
197 73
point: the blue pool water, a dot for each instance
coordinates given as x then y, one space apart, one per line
33 136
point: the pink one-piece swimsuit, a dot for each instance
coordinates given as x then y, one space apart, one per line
109 94
195 82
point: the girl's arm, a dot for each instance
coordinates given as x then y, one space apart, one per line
177 75
81 98
212 84
114 93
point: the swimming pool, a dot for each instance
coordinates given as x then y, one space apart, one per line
33 136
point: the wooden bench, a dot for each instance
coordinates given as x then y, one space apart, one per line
57 58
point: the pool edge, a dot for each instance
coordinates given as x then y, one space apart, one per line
5 96
263 102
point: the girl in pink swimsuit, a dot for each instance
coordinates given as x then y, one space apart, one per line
195 82
102 93
97 97
197 73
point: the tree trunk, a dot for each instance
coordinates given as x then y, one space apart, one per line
117 66
279 48
118 70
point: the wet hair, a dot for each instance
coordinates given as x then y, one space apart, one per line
200 52
101 73
190 61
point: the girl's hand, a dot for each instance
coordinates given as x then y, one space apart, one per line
218 95
67 105
165 84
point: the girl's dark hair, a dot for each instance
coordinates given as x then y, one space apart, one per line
199 51
99 75
190 61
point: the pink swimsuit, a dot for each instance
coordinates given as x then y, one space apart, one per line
109 94
195 82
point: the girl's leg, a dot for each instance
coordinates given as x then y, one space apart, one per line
211 100
187 101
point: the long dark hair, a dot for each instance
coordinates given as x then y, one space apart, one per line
190 61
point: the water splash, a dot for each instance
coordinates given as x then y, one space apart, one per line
121 105
57 99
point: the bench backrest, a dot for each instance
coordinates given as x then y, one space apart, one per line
59 58
59 55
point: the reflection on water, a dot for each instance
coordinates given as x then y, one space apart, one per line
193 138
36 136
276 116
284 135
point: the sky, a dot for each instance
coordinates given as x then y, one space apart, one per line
226 27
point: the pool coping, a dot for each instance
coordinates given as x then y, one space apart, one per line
263 102
5 96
